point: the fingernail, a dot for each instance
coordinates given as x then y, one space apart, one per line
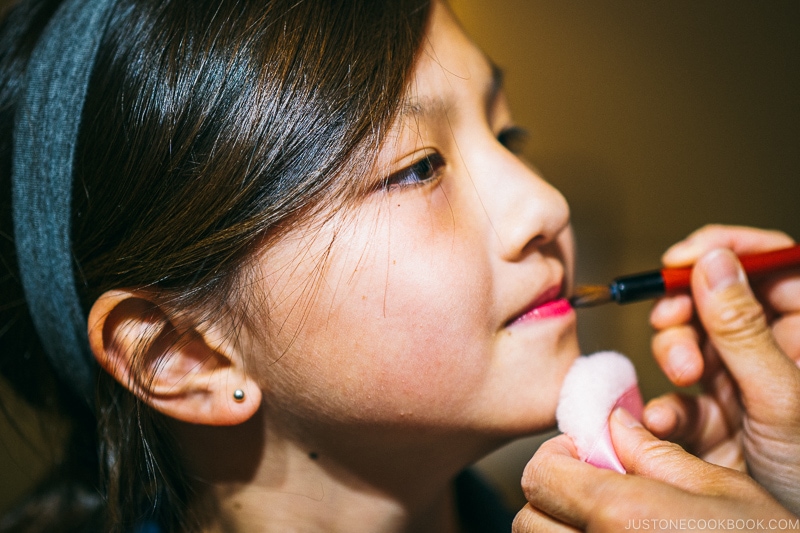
722 270
625 418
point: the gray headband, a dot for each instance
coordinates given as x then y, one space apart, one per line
45 137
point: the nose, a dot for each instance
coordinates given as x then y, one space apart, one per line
525 212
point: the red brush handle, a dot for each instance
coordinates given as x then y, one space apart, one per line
754 264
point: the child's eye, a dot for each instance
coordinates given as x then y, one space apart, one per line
420 172
514 139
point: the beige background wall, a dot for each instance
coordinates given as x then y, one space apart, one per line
653 118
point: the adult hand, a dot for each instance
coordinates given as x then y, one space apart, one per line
669 490
744 354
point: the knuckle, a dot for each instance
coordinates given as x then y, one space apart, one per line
657 344
523 522
542 471
740 319
649 452
533 476
662 340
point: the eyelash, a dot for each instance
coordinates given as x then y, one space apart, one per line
426 169
419 172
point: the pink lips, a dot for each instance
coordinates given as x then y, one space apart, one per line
549 308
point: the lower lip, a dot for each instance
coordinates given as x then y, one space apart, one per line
551 309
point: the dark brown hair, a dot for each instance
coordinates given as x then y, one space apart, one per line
209 129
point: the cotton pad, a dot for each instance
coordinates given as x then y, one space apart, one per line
595 385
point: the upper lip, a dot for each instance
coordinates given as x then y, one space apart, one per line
553 292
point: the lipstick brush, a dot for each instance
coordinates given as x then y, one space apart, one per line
657 283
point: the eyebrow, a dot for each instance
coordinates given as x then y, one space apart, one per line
419 107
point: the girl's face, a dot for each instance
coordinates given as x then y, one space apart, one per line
437 306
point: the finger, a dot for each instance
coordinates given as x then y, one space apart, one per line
786 331
662 416
736 326
719 384
740 239
556 482
728 453
697 422
780 292
641 453
576 493
671 311
677 352
590 498
530 520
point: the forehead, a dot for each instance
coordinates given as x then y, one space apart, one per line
450 68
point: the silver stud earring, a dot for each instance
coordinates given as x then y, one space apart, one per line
238 395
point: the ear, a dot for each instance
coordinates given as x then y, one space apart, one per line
187 372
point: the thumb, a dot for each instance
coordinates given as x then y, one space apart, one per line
642 454
737 327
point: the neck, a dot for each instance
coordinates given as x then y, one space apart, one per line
310 498
267 479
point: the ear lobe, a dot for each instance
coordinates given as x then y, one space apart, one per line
179 371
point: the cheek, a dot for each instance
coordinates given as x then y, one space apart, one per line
428 327
396 318
413 307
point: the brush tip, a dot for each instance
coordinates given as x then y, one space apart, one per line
590 295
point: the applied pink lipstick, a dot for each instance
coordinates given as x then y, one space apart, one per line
549 309
549 304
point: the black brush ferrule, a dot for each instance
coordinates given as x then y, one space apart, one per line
637 287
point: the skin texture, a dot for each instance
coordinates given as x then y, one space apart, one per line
388 352
744 353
